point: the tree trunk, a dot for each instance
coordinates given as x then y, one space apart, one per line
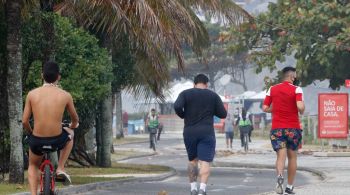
5 149
243 77
83 151
118 114
113 115
14 87
98 128
90 144
104 133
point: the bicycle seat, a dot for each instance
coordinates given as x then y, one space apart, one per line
48 149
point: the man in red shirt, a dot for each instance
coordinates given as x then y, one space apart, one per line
285 101
125 119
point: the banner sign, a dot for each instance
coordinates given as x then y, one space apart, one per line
333 115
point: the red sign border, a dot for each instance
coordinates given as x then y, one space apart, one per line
319 117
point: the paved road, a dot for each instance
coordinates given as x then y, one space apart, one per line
223 181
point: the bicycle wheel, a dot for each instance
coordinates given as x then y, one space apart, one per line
47 180
154 142
246 140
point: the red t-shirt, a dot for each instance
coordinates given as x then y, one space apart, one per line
125 118
283 98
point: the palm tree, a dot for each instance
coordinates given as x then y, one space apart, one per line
156 29
14 86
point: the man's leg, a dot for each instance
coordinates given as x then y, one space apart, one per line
231 139
33 172
65 152
227 141
242 137
159 132
292 165
250 134
204 173
150 139
281 160
192 171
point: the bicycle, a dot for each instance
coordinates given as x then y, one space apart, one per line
48 173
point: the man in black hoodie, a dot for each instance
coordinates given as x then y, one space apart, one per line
198 106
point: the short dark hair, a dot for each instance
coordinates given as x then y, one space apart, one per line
287 69
51 71
153 109
201 78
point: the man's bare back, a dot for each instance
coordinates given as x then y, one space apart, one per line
48 103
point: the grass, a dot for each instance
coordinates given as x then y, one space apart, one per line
6 188
81 175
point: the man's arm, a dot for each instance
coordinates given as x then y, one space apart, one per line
267 108
26 115
73 113
300 100
267 102
179 105
301 107
147 120
237 121
220 110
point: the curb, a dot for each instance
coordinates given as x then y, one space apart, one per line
320 174
136 156
136 142
102 185
332 154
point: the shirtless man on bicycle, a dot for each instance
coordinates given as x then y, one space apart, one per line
47 104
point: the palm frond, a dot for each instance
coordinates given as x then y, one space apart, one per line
221 9
157 29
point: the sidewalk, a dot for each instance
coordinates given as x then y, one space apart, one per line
334 170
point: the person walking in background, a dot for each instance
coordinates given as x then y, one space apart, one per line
198 106
229 130
152 124
125 119
285 101
245 125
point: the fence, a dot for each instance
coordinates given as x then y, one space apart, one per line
171 123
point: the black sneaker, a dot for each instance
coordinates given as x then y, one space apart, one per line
279 186
289 190
194 192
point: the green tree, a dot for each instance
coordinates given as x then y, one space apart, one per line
85 69
315 33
